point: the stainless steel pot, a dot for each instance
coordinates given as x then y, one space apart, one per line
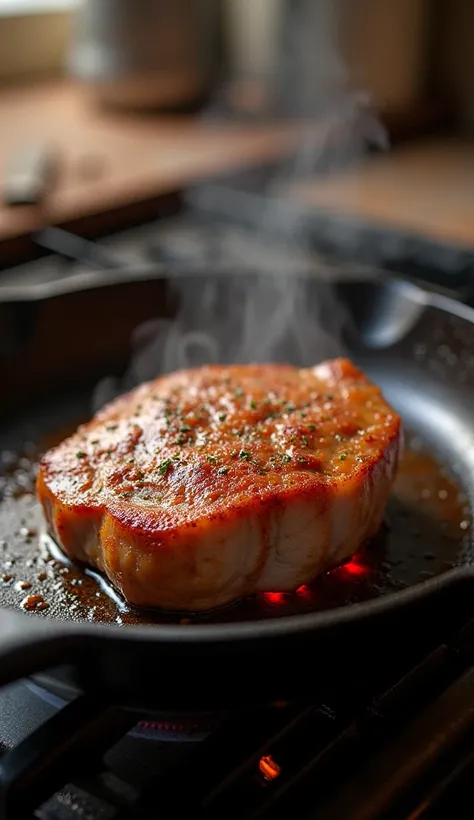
146 53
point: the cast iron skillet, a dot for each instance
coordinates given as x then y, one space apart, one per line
57 340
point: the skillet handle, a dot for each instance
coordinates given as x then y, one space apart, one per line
29 645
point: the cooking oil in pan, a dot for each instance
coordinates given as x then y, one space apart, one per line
426 532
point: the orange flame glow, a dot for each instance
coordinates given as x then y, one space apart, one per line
269 768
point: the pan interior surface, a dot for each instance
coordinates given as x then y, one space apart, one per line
424 362
426 532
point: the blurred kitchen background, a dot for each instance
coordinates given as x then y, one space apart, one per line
156 132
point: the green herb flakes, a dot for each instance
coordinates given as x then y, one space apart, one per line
81 454
222 471
164 466
212 459
244 455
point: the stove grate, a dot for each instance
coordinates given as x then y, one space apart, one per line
404 753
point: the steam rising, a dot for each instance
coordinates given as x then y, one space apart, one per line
268 313
233 319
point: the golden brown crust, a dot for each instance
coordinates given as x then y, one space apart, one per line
188 458
197 443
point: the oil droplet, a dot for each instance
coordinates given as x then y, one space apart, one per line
425 493
443 494
34 602
6 577
42 576
26 532
464 525
23 585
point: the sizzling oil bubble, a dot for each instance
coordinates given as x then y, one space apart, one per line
34 602
426 532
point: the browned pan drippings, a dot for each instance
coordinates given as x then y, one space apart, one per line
426 533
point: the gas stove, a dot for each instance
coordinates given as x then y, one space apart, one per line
390 743
401 750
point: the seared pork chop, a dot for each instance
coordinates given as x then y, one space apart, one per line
210 484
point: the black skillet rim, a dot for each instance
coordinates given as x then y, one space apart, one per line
205 633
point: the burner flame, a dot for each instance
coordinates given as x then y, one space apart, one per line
269 768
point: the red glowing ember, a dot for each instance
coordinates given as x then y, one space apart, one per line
274 597
269 768
354 568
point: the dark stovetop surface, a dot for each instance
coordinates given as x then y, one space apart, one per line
391 745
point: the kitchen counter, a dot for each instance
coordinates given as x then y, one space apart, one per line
425 188
108 160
